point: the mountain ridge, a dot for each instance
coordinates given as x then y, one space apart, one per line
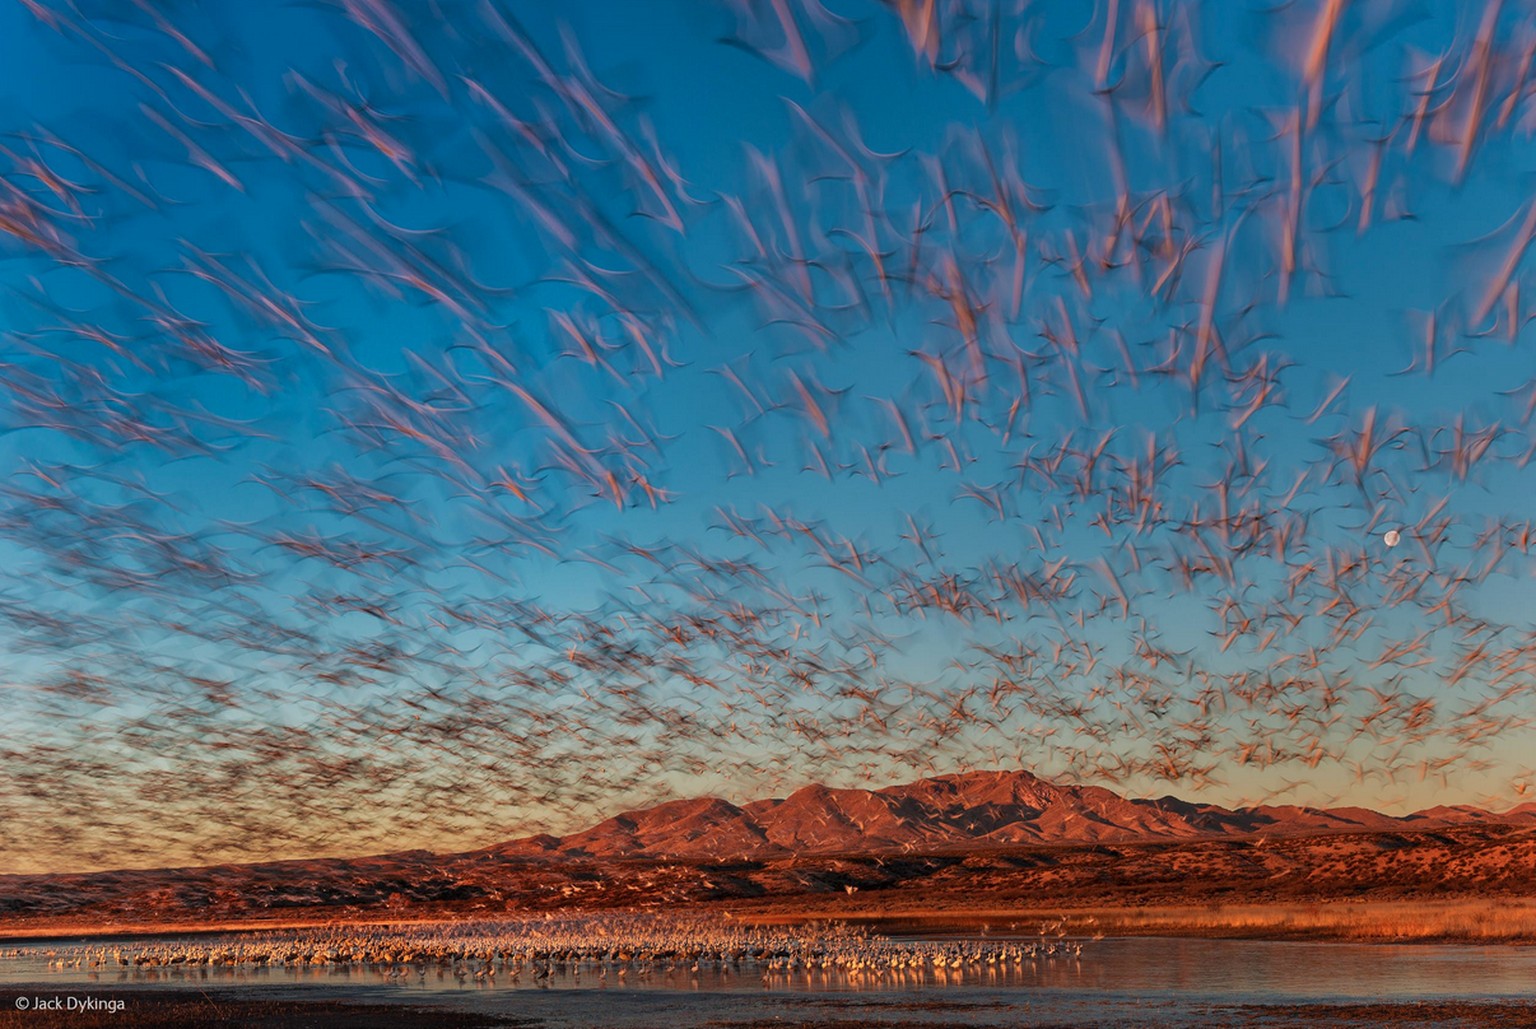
953 811
983 840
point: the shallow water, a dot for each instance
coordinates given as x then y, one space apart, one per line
1288 970
1142 981
1239 970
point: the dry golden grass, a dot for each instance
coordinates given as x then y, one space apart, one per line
1504 920
1463 920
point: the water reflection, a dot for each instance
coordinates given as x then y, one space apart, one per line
1152 966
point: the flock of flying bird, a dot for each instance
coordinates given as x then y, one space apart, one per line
413 436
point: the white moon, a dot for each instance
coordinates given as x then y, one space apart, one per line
1392 537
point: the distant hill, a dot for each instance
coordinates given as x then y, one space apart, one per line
993 840
954 812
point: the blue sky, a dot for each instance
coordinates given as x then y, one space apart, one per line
349 264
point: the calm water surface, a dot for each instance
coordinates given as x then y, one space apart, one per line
1146 982
1144 966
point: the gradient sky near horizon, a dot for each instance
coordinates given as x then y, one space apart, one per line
425 426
